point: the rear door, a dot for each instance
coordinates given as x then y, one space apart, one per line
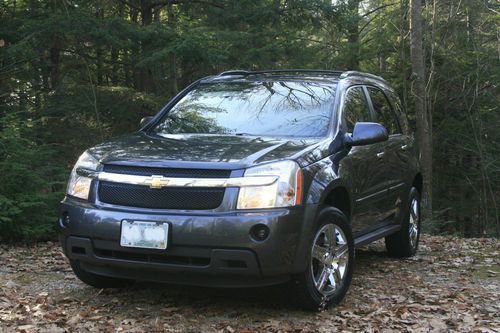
394 160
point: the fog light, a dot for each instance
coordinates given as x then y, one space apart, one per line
65 219
259 232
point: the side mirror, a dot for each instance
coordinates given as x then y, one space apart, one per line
144 121
367 133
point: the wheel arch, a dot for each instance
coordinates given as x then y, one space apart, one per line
326 190
339 197
418 182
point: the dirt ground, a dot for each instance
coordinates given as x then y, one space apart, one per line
452 285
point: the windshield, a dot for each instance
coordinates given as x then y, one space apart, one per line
301 109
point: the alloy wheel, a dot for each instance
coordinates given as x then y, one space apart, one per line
330 257
414 222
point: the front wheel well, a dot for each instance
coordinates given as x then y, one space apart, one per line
339 198
418 183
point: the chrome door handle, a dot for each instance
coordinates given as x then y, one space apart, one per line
381 154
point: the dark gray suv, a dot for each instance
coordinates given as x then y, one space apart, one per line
249 179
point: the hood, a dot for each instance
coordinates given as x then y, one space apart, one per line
228 151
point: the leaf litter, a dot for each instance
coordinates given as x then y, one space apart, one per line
451 285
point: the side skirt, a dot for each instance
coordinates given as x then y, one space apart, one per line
376 234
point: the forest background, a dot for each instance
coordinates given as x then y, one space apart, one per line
76 72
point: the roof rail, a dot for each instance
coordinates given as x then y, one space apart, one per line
356 73
234 72
281 71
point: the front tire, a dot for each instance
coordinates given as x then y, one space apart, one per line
331 262
404 243
97 281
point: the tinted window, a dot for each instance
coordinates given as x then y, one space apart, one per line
400 114
355 108
383 111
301 109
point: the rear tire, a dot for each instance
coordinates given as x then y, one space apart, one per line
404 243
330 265
97 281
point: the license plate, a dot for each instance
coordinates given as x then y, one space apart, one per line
148 235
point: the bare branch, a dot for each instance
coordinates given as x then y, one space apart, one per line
379 8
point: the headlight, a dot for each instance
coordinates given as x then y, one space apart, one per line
79 185
286 191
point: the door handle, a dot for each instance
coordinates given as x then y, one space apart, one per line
405 147
381 154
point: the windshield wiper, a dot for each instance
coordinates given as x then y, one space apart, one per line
245 134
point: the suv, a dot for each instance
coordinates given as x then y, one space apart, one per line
249 179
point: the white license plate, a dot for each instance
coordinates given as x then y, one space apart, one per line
148 235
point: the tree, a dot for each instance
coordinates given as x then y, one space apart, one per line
423 117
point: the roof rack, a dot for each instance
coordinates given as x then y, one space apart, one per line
281 71
340 74
234 72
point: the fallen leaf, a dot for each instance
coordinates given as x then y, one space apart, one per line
25 328
438 325
73 320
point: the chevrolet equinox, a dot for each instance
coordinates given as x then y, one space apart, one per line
249 178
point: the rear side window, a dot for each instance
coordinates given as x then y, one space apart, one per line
383 111
355 108
400 113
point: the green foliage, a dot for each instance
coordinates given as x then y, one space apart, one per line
76 117
30 188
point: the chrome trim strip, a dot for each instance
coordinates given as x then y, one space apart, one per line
158 181
372 195
86 173
380 192
396 186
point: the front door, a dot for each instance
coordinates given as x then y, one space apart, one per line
363 166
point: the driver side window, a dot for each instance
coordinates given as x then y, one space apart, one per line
355 108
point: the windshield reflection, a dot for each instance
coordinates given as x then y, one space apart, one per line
269 108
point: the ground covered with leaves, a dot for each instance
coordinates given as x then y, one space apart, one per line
452 284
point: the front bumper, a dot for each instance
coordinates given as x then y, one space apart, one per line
205 248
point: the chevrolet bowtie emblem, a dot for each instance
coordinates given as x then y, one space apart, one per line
156 181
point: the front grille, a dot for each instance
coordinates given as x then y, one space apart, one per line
153 258
166 172
165 198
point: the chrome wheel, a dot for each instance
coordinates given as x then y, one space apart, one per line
414 222
329 259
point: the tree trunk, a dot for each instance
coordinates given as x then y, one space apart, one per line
353 34
402 51
115 53
424 132
134 55
174 86
115 67
55 53
146 72
99 67
99 53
